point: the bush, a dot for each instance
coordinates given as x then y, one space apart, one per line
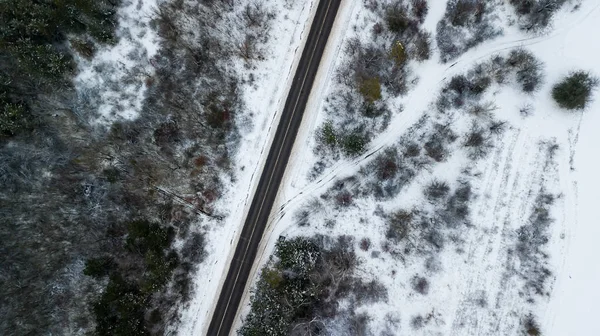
98 267
120 309
354 143
435 149
370 89
529 69
530 326
13 118
398 53
462 89
436 190
532 239
299 290
399 225
465 24
477 143
420 285
420 9
474 139
387 164
417 322
574 92
373 110
111 174
422 44
457 208
84 47
412 150
147 236
536 15
397 19
365 244
461 12
327 135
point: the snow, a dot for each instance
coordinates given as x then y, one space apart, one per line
264 100
478 288
112 85
572 310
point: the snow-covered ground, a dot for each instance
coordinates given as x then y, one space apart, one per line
476 282
113 83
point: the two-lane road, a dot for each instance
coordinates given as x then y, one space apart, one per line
268 186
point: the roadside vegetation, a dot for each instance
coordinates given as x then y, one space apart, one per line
373 72
302 288
436 137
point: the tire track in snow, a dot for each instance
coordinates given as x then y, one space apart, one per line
486 229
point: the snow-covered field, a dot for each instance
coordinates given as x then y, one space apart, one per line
480 282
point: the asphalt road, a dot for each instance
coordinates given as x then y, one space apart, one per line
279 154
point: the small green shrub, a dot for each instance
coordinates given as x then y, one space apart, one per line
112 174
370 89
120 309
147 236
398 53
160 269
574 91
327 135
354 143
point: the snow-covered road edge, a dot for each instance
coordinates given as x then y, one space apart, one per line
265 101
303 140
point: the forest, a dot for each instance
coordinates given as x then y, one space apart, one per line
101 224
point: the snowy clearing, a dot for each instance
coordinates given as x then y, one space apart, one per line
112 84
